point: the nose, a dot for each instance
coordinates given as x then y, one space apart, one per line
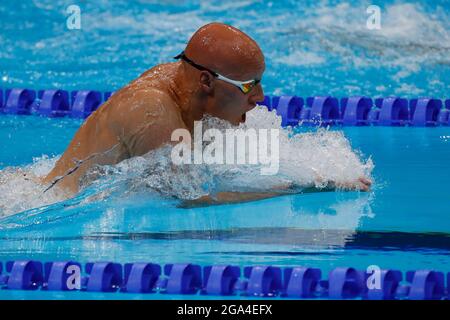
257 94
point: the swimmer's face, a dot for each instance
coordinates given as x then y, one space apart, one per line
228 102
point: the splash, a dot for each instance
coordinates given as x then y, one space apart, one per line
412 44
20 188
306 159
324 45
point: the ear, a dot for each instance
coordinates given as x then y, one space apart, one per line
206 82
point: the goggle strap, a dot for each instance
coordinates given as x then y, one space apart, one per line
237 83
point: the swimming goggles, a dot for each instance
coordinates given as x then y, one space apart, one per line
245 86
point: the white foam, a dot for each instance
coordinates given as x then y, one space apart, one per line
311 158
20 190
410 37
301 57
306 159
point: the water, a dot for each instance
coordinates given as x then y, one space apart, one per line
401 224
311 48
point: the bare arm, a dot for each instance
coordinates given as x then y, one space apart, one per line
363 184
228 197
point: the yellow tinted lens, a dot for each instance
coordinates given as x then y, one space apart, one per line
246 87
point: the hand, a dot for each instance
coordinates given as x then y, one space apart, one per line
363 184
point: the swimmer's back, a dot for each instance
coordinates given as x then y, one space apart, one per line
136 119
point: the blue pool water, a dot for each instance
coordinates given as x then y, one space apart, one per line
311 48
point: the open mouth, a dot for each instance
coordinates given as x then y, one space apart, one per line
244 117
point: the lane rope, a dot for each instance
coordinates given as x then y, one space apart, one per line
294 110
225 280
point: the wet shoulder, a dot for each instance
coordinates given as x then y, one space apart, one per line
151 87
137 106
159 76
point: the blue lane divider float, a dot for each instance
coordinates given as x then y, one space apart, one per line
294 110
224 280
52 102
355 110
221 280
141 277
425 112
57 275
393 111
85 102
26 275
289 108
360 111
324 111
19 101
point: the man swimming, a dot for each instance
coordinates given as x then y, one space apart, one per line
219 73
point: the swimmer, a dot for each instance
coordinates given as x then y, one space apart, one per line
219 73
